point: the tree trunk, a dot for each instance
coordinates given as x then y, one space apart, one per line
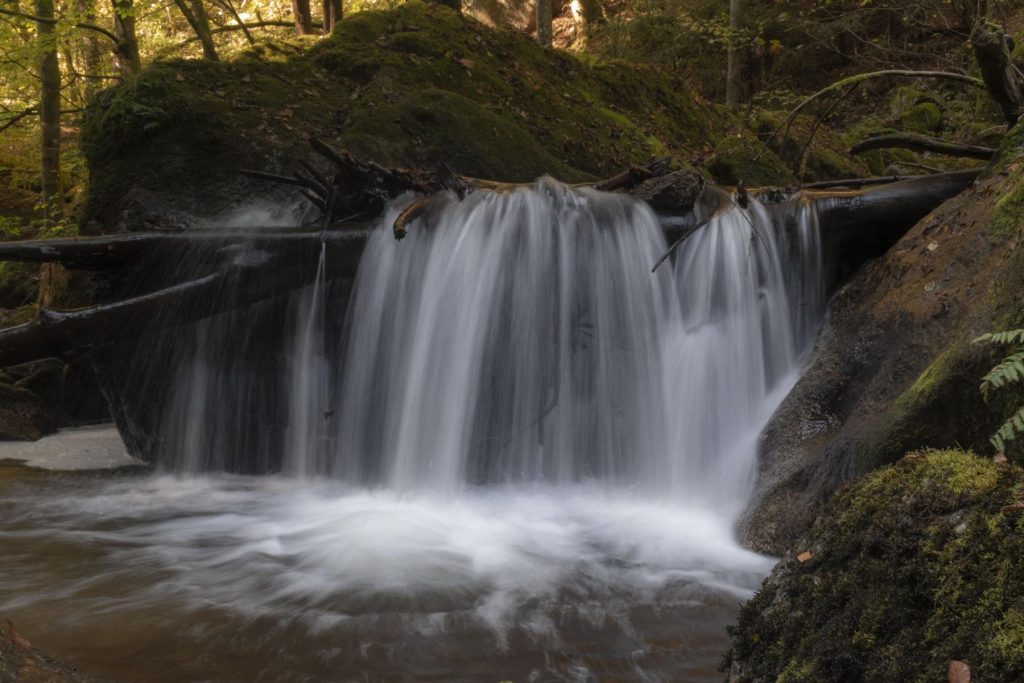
992 51
732 76
49 113
126 54
543 12
332 15
91 51
303 19
195 14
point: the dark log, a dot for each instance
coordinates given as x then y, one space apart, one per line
292 262
922 143
119 251
1003 81
869 220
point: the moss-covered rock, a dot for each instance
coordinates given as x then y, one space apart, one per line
416 85
912 567
924 117
741 157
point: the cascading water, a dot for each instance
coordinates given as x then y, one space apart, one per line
523 338
518 455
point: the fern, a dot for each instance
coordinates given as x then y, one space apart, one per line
1002 338
1010 430
1008 371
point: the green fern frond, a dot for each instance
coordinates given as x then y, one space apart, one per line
1008 371
1010 430
1002 338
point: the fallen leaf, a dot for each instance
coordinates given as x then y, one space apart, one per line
15 638
178 77
958 672
467 63
804 556
1013 508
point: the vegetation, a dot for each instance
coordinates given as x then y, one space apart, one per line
912 567
1009 371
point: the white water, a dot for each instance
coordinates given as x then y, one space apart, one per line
522 338
523 459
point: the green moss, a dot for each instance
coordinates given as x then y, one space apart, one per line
925 117
19 284
415 85
1008 213
911 567
740 157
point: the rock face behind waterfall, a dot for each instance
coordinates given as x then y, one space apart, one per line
894 368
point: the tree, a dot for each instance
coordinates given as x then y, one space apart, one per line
49 112
126 53
732 78
195 14
303 19
332 15
543 14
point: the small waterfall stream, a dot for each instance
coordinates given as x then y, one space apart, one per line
522 338
515 453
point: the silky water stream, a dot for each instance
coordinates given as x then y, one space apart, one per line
518 455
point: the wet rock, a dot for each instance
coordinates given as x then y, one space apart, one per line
22 663
958 672
895 591
24 416
894 369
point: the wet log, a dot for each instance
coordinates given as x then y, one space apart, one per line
251 273
992 49
869 220
258 265
121 251
922 143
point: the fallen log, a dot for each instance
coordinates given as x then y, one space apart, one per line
922 143
871 219
120 251
244 270
258 265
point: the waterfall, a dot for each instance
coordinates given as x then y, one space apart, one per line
520 337
507 451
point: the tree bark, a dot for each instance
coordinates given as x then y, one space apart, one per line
542 9
332 15
303 18
91 51
49 114
732 76
195 14
991 50
922 143
126 53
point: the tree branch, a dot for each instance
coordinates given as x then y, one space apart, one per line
922 143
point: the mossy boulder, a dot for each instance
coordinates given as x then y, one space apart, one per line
895 368
918 111
417 85
910 568
925 117
742 157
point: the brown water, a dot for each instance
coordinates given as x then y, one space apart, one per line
136 577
